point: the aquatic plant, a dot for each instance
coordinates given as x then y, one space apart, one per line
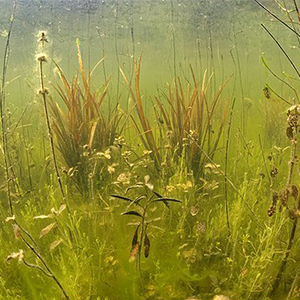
290 191
3 115
43 91
19 232
20 256
184 112
142 203
82 128
189 156
193 111
145 133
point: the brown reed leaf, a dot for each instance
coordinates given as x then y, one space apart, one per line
146 245
47 229
83 121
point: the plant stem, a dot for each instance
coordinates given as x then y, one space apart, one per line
292 235
41 259
2 114
226 164
44 93
244 118
142 237
278 19
264 160
281 48
173 40
116 48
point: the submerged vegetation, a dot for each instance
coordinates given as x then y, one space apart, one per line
121 193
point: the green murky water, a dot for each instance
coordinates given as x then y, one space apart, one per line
147 149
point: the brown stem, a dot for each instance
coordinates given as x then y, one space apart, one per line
292 235
41 259
44 95
2 114
226 164
297 10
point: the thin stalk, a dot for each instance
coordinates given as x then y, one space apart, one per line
2 109
277 18
226 165
132 40
297 10
173 40
291 19
283 81
142 237
102 39
244 119
264 160
276 94
281 48
36 267
292 235
199 53
116 48
50 273
89 36
41 60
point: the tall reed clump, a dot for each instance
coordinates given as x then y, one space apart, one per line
186 110
194 112
81 127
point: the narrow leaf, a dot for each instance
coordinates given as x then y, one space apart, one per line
157 194
160 196
122 198
166 200
43 217
146 245
133 213
47 229
135 236
17 231
55 244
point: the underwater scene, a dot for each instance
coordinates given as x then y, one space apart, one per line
149 149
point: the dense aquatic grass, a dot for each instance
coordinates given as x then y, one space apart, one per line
191 251
190 244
